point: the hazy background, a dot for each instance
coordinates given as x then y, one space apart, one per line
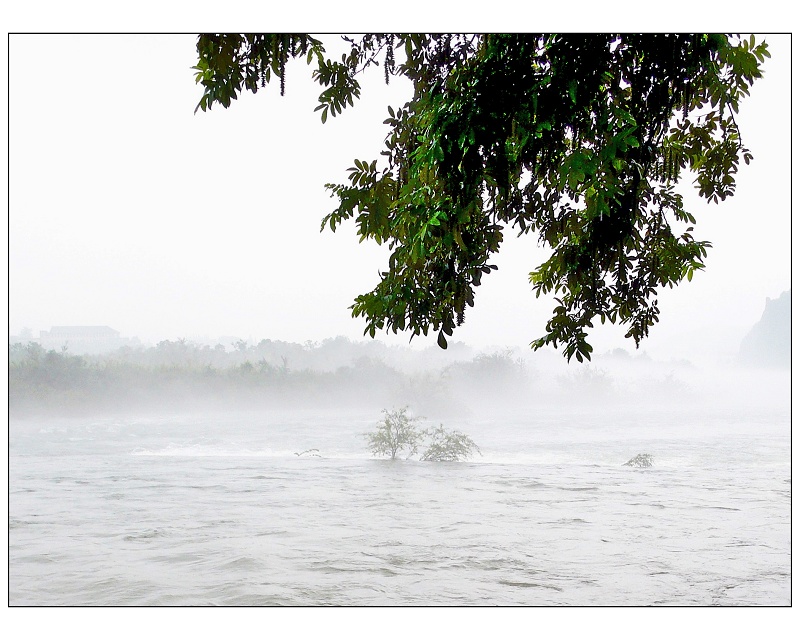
199 235
127 209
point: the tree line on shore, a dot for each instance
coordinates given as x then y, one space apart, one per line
185 373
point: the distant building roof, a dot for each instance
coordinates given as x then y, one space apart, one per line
76 332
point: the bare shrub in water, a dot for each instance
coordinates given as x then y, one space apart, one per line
448 446
643 460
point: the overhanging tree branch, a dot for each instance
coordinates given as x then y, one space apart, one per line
580 138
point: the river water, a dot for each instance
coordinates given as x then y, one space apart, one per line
219 510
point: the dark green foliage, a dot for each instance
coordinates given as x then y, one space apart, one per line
578 138
232 62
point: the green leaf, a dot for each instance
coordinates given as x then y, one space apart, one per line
493 138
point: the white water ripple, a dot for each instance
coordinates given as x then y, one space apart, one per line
202 511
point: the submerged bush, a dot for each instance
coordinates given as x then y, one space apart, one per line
643 460
448 446
398 433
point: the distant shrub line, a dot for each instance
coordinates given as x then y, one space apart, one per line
271 372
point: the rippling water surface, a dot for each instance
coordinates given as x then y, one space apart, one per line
218 510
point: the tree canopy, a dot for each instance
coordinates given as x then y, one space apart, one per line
579 139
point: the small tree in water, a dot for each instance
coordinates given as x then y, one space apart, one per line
448 446
397 432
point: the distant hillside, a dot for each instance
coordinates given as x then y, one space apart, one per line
769 342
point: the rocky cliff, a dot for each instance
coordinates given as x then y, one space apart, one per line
769 342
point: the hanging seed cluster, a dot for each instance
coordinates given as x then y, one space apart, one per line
388 64
272 51
670 166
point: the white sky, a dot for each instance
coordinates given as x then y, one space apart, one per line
127 209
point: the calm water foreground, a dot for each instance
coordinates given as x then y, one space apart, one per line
219 510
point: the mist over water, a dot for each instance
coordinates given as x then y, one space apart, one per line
211 503
170 474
